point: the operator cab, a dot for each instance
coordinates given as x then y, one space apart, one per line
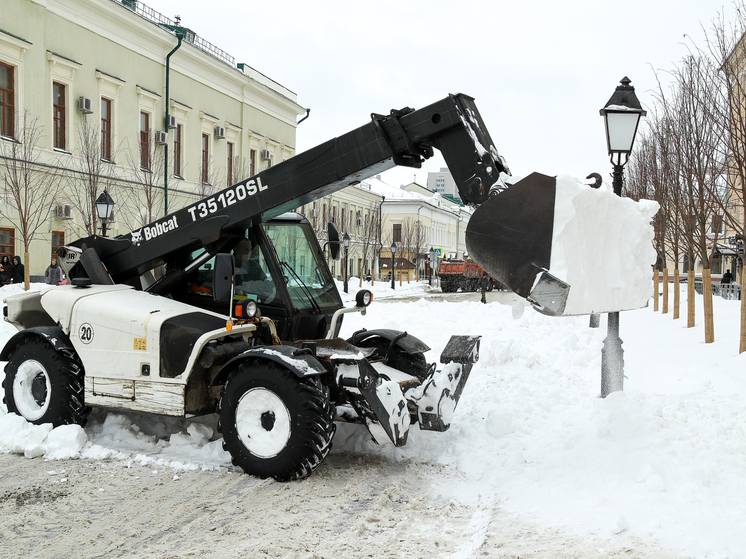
280 265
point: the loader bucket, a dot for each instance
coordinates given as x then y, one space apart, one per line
566 248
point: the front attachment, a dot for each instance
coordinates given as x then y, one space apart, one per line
387 402
437 397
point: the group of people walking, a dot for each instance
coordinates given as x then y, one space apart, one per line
12 271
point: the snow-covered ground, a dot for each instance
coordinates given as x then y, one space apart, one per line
664 460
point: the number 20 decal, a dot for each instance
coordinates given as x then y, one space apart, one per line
86 333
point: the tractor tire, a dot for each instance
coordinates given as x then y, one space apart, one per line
413 364
275 424
43 385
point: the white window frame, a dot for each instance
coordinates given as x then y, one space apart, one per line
62 70
12 50
109 88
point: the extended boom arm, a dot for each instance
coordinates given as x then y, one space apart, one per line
406 137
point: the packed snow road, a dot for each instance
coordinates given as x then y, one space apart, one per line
353 506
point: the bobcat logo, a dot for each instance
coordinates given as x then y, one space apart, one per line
137 237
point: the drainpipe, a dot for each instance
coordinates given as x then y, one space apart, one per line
180 34
419 240
380 233
308 113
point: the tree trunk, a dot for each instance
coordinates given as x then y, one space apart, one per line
656 282
676 294
665 291
707 294
742 345
690 299
26 273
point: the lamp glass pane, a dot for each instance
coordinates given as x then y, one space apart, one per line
621 129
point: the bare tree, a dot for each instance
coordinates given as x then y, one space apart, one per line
146 162
89 175
370 238
413 239
30 189
695 137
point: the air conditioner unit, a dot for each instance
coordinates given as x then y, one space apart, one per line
266 155
314 212
172 122
63 211
161 137
220 133
85 105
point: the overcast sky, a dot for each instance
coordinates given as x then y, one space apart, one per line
539 70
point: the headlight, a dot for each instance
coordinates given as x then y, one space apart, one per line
246 309
363 298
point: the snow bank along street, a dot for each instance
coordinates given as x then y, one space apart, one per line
661 465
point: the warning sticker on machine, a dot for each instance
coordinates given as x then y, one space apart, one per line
141 344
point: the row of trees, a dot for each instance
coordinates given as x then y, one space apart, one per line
692 160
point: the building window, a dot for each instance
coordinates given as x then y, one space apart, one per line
106 129
396 233
7 101
145 141
58 101
229 149
7 242
58 240
252 162
177 149
205 158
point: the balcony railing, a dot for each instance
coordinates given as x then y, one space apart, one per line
148 13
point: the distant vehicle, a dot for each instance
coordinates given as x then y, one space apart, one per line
464 275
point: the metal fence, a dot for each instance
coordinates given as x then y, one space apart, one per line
728 291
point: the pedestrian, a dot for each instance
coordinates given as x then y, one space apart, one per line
53 275
484 282
6 270
727 277
18 269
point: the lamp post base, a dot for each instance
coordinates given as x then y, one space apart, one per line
612 359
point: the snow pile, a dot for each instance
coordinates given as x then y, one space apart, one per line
601 246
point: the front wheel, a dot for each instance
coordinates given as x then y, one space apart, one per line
275 424
43 385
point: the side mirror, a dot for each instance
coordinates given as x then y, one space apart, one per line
333 236
222 278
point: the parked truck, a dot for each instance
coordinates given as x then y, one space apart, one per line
464 275
228 306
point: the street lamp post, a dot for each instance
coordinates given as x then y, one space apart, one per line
622 115
393 265
104 207
346 243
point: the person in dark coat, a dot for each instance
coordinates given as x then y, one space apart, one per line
727 277
53 275
484 283
6 270
18 269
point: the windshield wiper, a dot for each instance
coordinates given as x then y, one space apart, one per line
306 290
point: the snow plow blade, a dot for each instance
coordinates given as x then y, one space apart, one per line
565 247
387 403
437 397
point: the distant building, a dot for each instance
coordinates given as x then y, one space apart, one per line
442 183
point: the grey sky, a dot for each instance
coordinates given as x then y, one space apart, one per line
539 70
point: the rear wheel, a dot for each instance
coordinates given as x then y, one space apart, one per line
275 424
43 385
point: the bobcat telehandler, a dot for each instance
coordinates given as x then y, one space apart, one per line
244 317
